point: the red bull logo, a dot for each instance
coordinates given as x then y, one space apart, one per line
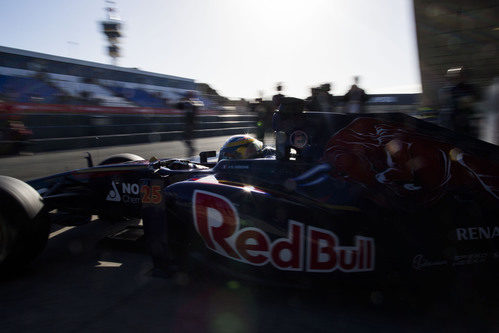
305 248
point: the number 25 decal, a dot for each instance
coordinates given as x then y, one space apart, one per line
151 194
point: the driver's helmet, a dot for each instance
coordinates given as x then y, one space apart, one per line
240 147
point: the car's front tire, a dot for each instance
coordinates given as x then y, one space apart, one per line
121 158
24 225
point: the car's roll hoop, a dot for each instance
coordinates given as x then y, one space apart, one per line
300 135
285 118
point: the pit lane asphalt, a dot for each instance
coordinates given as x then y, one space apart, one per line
28 166
80 284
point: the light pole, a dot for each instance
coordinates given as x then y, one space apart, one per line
111 27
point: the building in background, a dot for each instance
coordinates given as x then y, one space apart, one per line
456 33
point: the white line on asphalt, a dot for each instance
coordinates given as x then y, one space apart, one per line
108 264
60 231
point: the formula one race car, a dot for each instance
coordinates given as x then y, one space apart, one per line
346 197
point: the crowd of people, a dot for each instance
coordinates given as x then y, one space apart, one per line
462 107
321 99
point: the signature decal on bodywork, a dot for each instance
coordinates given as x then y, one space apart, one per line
306 248
420 262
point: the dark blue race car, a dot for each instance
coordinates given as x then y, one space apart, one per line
345 198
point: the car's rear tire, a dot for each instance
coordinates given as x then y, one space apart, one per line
121 158
24 225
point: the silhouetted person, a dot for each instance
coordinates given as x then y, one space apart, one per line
277 98
190 106
312 102
325 98
355 98
490 128
463 96
445 103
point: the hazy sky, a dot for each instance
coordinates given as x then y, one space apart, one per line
238 47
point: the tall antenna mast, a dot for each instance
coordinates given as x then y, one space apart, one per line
111 27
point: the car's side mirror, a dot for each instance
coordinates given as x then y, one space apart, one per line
203 156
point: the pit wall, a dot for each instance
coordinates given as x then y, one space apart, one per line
63 127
